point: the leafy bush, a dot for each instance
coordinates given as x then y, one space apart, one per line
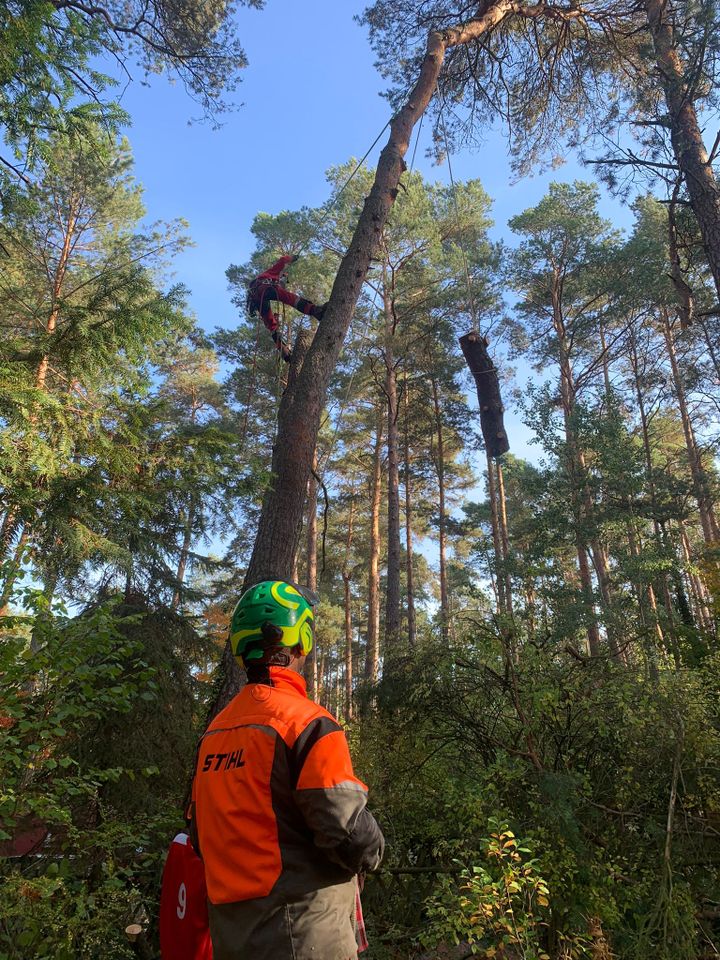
98 867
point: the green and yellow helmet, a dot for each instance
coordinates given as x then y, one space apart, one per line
272 603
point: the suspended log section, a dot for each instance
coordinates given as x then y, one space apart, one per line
474 347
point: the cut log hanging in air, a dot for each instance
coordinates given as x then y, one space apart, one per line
474 348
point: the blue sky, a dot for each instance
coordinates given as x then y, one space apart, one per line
311 99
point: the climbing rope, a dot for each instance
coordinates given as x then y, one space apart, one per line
342 189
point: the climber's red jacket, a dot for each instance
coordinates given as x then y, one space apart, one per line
273 273
282 826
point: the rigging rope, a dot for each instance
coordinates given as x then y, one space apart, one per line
342 189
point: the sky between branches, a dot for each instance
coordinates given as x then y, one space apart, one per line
311 99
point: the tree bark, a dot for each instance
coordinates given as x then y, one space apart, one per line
685 133
347 599
575 464
650 480
504 536
409 563
12 571
392 596
706 511
474 348
495 528
310 670
184 554
372 653
439 460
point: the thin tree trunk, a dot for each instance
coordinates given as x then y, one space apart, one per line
640 594
58 280
685 133
575 466
12 571
311 569
372 657
495 527
184 554
347 599
442 514
392 597
504 537
698 590
409 562
650 480
708 521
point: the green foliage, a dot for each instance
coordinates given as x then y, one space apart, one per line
578 760
105 809
497 907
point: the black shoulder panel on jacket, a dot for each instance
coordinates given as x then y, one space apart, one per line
314 731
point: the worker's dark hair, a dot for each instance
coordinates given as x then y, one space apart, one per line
273 655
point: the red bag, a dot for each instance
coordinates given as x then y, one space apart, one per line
184 928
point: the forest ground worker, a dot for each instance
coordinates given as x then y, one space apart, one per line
281 819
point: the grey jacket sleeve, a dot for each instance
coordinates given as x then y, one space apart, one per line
332 800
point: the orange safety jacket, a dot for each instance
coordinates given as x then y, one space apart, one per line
282 826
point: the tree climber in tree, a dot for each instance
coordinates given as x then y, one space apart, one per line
269 286
280 818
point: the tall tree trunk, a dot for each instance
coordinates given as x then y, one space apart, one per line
409 561
12 571
57 284
504 536
575 466
311 568
497 540
439 460
372 653
184 555
347 599
650 481
685 132
304 399
648 611
706 511
392 597
698 590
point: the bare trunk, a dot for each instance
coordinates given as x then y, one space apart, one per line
648 613
685 132
310 670
57 284
504 537
184 554
409 563
442 515
348 615
650 480
698 590
12 571
708 521
372 657
683 291
392 598
575 466
495 527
